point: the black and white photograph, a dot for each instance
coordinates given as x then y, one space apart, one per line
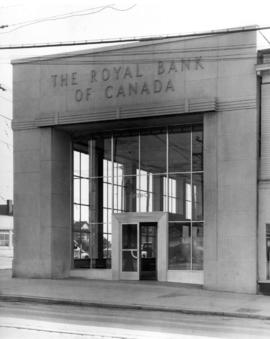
134 169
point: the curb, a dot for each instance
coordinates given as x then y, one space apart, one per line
138 307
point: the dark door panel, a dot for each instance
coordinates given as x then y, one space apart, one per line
148 251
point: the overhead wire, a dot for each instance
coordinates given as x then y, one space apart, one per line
86 12
60 16
265 38
3 116
51 60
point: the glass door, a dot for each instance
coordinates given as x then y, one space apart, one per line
148 250
129 255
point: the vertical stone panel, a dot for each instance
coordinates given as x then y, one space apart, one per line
60 203
42 205
265 132
231 200
31 254
264 179
210 201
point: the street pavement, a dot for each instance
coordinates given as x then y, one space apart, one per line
40 321
143 295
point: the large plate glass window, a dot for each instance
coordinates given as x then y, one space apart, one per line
139 171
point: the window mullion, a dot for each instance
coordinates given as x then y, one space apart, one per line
167 171
191 198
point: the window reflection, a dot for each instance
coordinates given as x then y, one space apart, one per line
197 150
76 163
85 191
84 165
153 153
76 190
126 153
179 246
188 200
129 248
197 199
129 193
185 246
197 246
178 195
81 241
129 261
144 191
129 236
179 151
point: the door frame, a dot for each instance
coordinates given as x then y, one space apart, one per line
161 218
129 275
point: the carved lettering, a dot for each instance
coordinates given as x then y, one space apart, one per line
120 92
106 74
161 68
185 64
74 78
138 74
145 89
157 86
88 93
132 88
93 76
172 67
127 80
169 86
78 95
117 72
198 63
127 73
108 92
64 80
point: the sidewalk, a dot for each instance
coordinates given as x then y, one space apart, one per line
146 295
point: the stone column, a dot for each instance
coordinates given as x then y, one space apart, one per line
42 203
230 200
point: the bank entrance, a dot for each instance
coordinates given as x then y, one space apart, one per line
139 251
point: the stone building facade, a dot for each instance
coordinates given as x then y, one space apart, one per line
144 161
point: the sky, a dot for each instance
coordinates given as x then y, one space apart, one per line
38 21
